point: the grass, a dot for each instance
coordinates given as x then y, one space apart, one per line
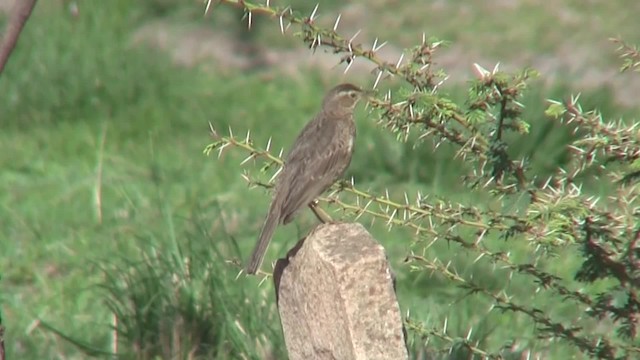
106 197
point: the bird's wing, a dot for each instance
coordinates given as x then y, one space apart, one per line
312 167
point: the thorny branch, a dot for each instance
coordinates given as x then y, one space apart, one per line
439 222
559 214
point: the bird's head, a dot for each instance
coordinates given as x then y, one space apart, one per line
343 97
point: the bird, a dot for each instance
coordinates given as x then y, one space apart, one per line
319 156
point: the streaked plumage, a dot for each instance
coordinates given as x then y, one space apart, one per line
319 156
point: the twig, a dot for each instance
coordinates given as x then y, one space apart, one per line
19 15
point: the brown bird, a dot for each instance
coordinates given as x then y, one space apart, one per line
320 155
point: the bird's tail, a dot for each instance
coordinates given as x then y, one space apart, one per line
269 226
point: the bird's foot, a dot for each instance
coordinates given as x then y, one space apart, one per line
320 214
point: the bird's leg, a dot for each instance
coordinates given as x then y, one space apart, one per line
320 214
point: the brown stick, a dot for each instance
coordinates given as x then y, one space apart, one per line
19 15
2 343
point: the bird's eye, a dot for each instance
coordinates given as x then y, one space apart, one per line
353 95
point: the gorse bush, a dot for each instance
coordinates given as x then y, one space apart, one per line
553 256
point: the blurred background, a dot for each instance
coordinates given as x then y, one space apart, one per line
104 114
